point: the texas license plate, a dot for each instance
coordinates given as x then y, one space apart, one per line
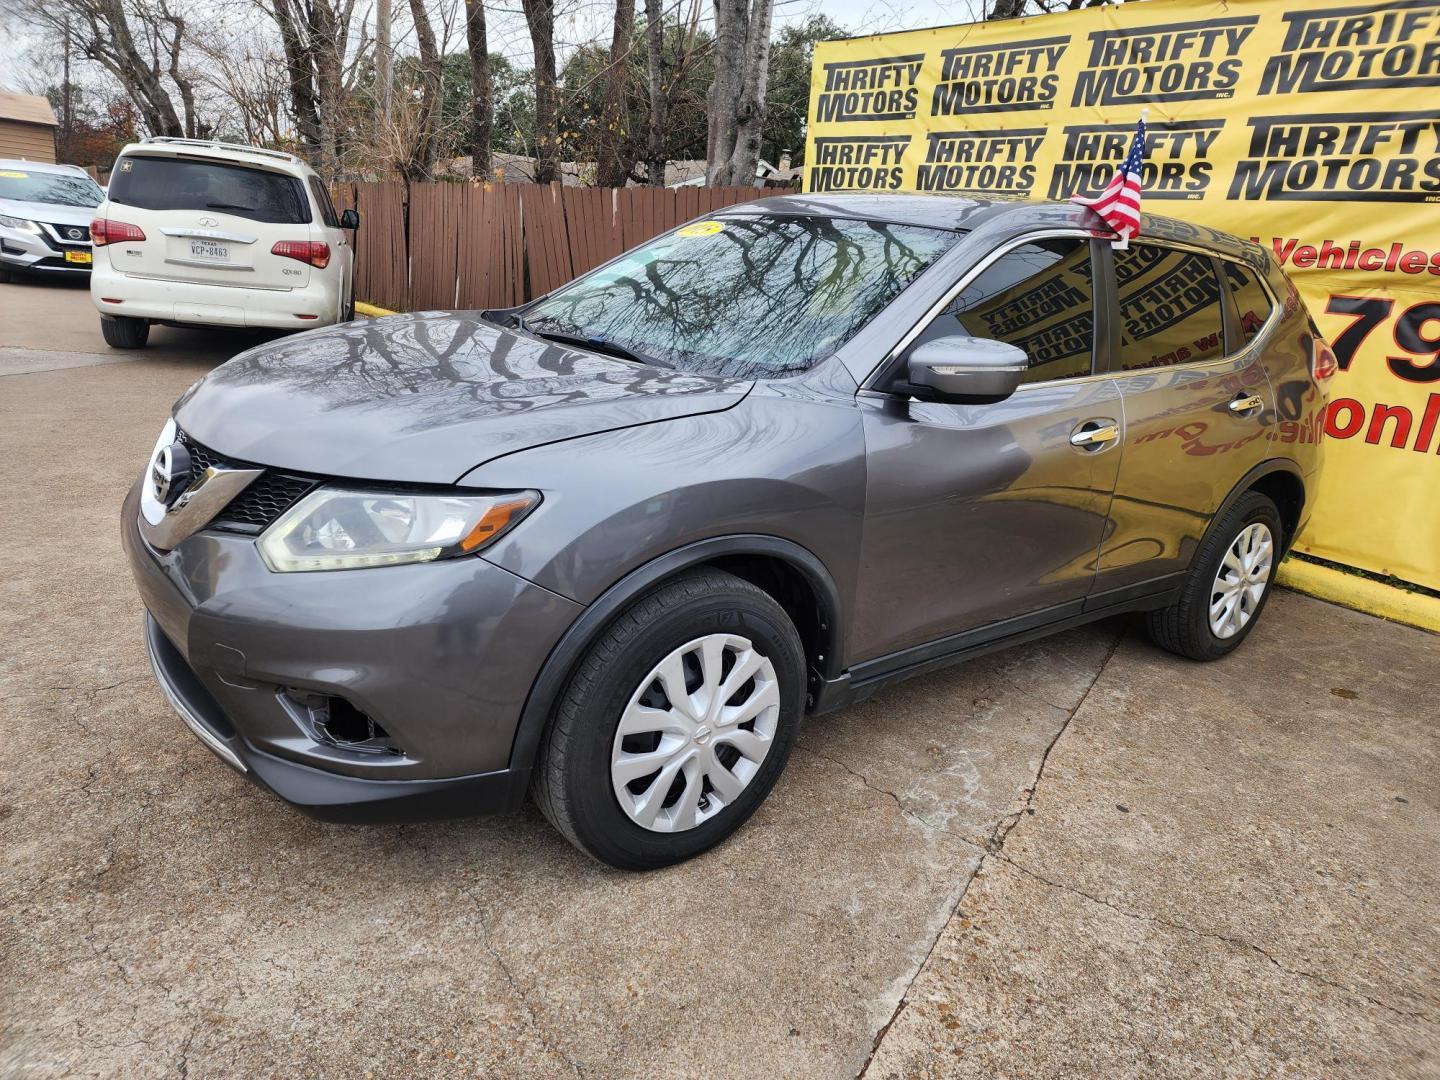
211 250
82 257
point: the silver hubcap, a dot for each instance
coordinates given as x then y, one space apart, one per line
695 733
1241 581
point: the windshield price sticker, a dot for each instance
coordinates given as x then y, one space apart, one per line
12 175
702 228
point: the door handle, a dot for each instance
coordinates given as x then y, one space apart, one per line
1093 434
1243 403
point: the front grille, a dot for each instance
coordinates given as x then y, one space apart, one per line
268 496
62 233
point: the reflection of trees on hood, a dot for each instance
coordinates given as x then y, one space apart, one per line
444 368
760 298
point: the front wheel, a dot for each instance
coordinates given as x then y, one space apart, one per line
676 723
122 332
1228 583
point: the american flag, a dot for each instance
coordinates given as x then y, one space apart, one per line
1119 203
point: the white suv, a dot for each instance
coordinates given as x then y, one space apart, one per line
214 234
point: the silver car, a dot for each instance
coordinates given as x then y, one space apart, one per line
45 214
610 547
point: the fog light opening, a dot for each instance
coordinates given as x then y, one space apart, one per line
338 722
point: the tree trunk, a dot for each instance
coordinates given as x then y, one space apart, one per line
750 115
612 158
385 58
422 156
299 69
731 17
184 85
482 112
540 18
325 45
657 76
1006 9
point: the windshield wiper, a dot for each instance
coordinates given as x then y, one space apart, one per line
599 345
228 206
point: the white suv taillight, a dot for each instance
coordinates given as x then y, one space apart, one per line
314 252
109 231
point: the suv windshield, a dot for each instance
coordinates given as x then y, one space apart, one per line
745 297
64 189
163 183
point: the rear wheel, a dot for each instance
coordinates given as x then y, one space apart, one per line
6 276
122 332
1228 583
676 723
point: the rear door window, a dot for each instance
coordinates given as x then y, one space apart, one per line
1252 302
322 200
1171 311
156 183
1038 297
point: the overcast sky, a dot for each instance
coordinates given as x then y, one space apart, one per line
22 63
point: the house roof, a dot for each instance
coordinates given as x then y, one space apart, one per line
27 108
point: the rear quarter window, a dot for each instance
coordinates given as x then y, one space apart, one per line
1252 302
155 183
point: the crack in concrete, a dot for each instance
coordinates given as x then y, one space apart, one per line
992 848
1239 943
182 1066
524 999
865 780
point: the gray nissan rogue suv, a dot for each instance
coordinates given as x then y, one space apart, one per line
609 547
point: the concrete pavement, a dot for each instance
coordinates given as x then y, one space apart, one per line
1080 857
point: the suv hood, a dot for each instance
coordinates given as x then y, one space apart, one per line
426 398
52 213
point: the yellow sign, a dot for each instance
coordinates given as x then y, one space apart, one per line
11 174
701 228
78 257
1311 126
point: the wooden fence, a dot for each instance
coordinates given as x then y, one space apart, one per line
437 245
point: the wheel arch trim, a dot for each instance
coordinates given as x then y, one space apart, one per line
549 684
1268 467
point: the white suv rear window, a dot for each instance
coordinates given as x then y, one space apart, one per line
156 183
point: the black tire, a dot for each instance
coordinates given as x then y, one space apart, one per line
125 333
6 276
1183 628
572 780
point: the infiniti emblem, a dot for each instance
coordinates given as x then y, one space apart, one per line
170 473
209 222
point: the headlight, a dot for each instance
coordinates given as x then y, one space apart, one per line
339 529
19 223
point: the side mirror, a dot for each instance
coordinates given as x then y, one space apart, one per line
964 369
350 219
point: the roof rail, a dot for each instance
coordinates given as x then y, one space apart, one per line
217 145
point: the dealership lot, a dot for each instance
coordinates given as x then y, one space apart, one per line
1079 857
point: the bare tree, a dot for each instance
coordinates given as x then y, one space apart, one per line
669 55
540 18
737 96
482 108
102 31
613 159
421 160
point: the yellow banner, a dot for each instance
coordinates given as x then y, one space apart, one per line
1312 127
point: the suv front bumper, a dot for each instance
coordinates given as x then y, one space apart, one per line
38 253
443 659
